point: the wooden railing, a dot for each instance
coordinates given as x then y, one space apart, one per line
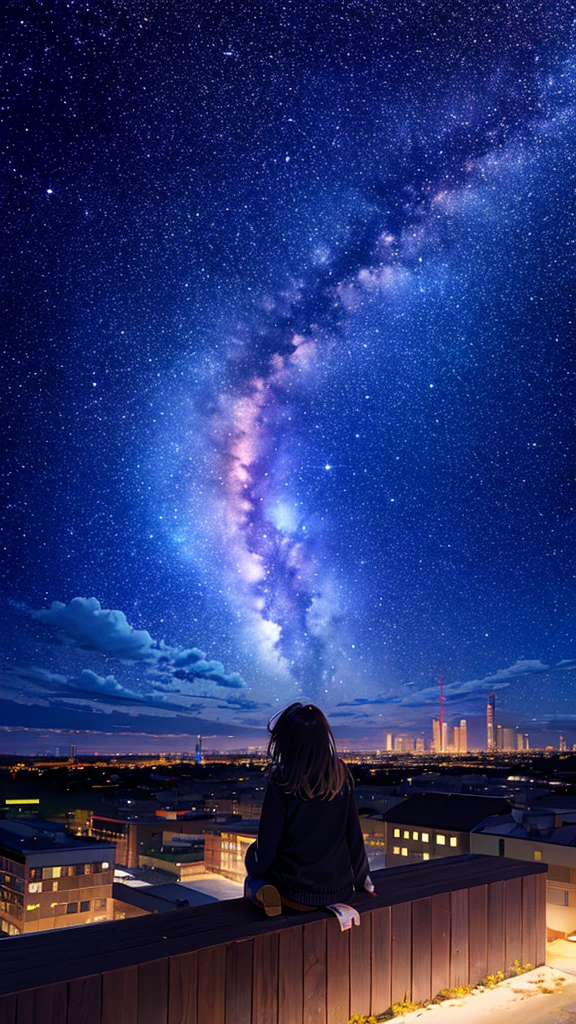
448 922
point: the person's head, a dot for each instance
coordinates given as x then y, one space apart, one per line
302 746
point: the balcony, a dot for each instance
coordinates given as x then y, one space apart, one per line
431 926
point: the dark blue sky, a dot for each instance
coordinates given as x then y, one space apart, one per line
289 369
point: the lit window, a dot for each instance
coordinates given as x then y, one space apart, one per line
396 850
441 840
453 841
425 856
537 854
32 906
404 851
425 837
406 834
105 865
396 833
414 835
35 887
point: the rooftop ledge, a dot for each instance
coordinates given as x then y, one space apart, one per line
430 926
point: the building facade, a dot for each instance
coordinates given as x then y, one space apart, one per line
431 826
49 879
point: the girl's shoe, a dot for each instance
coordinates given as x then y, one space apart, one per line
269 899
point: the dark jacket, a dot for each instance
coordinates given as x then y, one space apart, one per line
311 850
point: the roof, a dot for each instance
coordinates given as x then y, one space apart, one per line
159 898
34 836
451 811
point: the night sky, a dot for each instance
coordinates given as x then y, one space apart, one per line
288 386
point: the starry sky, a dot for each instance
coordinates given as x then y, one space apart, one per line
288 376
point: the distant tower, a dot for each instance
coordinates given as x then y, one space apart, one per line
499 738
199 756
443 729
508 739
389 741
519 740
456 744
463 746
444 736
490 713
436 741
526 741
72 751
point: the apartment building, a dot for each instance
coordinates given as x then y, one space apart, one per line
427 827
50 879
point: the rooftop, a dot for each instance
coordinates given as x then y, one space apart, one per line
33 836
450 811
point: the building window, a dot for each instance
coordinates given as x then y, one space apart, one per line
84 906
453 841
396 833
537 854
100 904
425 856
404 851
32 906
71 908
425 837
37 886
396 850
414 835
441 840
406 834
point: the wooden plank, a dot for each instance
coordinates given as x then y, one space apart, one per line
512 921
381 960
265 979
8 1009
401 945
120 996
495 927
211 981
361 966
315 973
338 973
440 931
153 992
529 945
50 1004
25 1008
459 966
422 950
290 976
239 965
478 934
183 989
85 1000
540 920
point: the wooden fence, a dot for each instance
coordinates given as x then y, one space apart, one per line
431 926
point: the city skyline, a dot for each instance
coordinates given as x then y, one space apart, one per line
289 386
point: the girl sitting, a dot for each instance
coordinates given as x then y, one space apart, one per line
310 849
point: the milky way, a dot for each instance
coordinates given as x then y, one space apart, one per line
290 373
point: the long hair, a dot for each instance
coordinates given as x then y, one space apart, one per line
303 753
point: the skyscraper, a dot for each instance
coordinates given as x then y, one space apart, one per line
508 739
463 745
389 741
490 713
436 741
499 738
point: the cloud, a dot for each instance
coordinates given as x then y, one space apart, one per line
90 684
462 690
84 624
